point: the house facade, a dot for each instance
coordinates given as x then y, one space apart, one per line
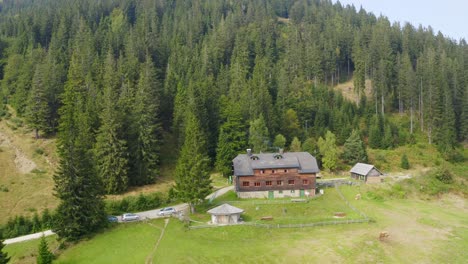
275 175
366 172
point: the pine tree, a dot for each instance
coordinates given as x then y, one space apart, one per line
232 140
81 208
329 151
258 135
146 127
192 175
354 149
44 256
295 145
111 147
3 255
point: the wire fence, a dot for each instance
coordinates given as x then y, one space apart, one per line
364 219
302 225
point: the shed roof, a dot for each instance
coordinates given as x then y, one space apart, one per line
245 164
363 168
225 209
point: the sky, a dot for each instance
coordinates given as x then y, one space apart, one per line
447 16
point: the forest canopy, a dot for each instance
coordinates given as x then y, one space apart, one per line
122 73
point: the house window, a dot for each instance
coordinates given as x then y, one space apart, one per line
285 170
272 171
305 182
280 192
262 171
293 191
291 182
245 183
257 183
279 183
268 183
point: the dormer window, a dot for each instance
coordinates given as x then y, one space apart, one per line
278 156
254 158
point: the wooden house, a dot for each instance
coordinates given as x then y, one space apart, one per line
366 172
225 214
275 175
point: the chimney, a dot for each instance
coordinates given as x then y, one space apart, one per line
281 151
249 152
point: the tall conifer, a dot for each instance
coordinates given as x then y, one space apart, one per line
192 170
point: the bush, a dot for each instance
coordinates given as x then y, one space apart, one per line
444 176
404 162
39 151
141 202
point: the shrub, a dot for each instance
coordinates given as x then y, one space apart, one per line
39 151
443 175
404 162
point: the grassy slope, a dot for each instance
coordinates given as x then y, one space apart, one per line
31 191
433 231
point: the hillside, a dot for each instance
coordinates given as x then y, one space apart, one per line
101 100
26 169
419 231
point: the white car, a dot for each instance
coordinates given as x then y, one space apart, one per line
130 217
167 211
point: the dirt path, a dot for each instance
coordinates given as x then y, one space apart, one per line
149 259
22 163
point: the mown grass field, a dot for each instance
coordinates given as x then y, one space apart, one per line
421 231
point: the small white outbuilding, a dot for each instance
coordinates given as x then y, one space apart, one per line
225 214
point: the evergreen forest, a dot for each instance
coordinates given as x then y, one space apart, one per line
114 80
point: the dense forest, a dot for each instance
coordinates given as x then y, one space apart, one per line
112 78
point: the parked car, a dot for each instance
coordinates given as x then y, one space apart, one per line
130 217
167 211
112 219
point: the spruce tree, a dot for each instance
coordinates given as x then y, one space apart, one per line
81 208
232 140
111 147
192 175
354 149
146 128
3 255
258 135
44 256
37 109
404 162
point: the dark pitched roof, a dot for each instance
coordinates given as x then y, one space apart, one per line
245 164
225 209
363 168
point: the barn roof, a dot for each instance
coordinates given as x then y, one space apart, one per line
225 209
245 164
363 168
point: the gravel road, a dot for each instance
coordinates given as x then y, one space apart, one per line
151 214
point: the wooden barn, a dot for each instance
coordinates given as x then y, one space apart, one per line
275 175
225 214
366 172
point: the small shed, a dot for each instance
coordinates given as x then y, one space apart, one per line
366 172
225 214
